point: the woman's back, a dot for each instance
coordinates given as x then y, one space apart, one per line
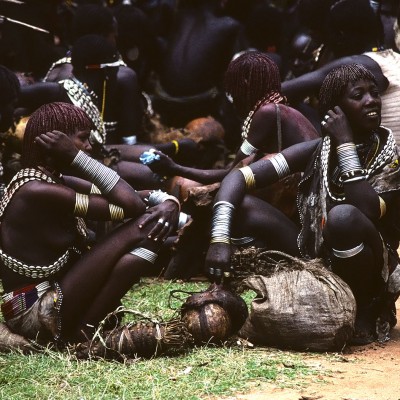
277 126
198 52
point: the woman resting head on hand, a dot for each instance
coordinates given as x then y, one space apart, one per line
348 201
68 287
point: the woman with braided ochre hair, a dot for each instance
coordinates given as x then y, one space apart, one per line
56 287
347 201
270 125
253 82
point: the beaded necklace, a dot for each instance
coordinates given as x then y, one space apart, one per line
80 97
39 271
84 86
273 97
371 159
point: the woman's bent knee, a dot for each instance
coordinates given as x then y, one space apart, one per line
344 219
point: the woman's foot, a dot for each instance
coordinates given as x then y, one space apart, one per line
365 325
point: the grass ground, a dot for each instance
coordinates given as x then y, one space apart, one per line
200 373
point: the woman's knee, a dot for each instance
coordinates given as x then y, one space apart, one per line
128 269
349 233
344 220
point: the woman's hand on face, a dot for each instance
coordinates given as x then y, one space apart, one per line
59 146
218 262
336 125
163 218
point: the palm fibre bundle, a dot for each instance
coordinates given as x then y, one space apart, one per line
142 339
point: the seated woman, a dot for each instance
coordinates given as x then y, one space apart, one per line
108 92
57 288
269 123
348 201
101 84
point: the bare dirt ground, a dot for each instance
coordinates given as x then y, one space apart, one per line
369 372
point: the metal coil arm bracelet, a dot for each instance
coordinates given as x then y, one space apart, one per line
221 222
158 197
103 177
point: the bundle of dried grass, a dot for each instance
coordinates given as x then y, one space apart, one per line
214 315
252 261
300 304
247 262
142 339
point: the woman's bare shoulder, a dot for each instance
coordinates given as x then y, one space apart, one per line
44 192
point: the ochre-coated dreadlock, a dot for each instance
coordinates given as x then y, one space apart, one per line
59 116
335 84
251 77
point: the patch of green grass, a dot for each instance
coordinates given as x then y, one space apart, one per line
200 373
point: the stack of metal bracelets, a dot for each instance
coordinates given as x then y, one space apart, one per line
221 223
103 177
280 164
145 254
349 163
249 178
157 197
82 206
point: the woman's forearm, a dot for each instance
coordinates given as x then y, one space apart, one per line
206 176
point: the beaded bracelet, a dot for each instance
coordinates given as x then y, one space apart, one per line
353 176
